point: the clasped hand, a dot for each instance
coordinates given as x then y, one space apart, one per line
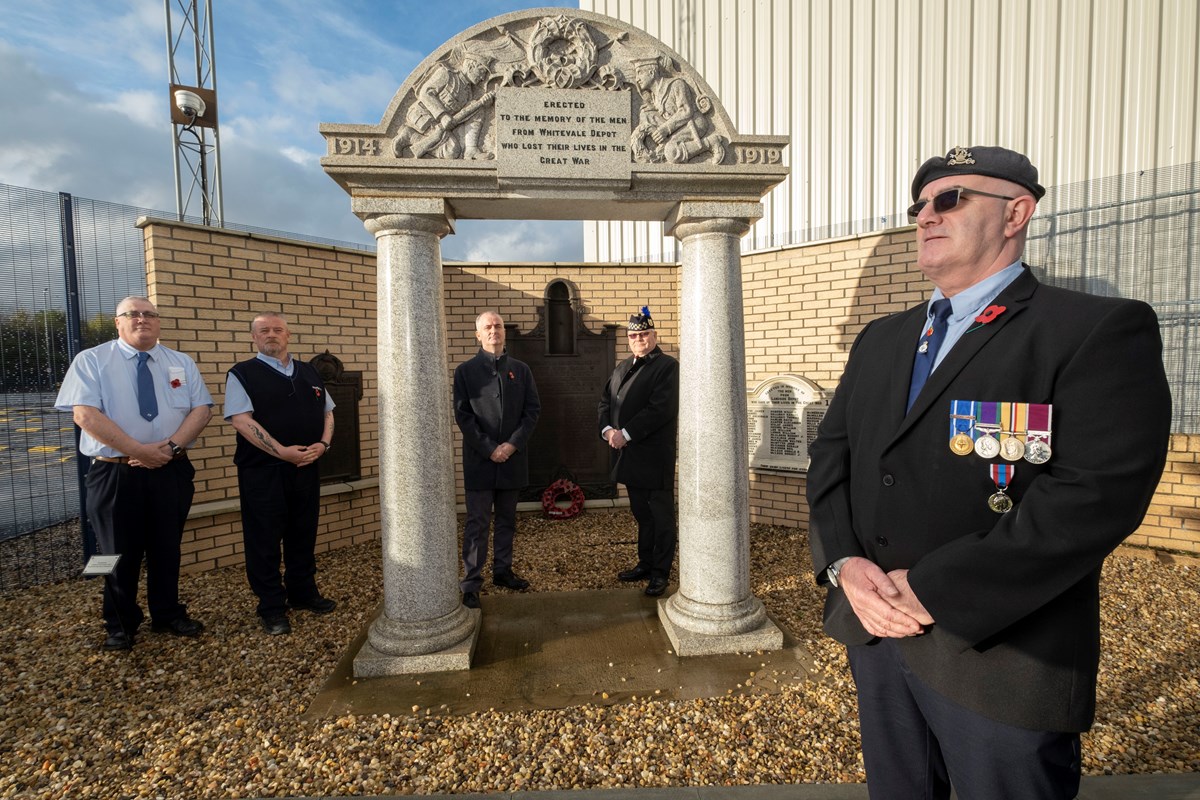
884 602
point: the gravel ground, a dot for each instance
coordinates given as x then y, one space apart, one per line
220 716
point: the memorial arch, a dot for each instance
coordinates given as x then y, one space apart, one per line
555 114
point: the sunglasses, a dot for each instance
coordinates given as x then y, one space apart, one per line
949 199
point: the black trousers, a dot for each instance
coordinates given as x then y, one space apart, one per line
475 534
654 510
140 513
281 506
916 743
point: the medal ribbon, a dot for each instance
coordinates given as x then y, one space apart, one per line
1039 421
1015 414
989 415
962 417
1002 475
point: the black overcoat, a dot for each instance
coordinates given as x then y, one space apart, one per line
495 401
647 406
1015 596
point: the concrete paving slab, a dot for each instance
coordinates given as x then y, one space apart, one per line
561 649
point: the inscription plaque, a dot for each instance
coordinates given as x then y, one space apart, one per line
558 133
783 415
566 440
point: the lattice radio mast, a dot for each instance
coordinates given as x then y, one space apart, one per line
193 96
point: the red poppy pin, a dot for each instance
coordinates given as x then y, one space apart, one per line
990 313
511 377
317 390
176 383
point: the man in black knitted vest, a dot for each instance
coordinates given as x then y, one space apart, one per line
284 420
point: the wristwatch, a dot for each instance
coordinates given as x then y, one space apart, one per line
832 571
327 445
176 450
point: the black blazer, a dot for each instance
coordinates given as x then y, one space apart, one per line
489 415
1015 597
647 406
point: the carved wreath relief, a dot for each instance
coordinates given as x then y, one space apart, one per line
450 114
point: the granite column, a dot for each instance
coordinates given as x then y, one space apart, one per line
714 611
423 626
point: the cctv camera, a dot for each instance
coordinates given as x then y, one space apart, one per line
189 103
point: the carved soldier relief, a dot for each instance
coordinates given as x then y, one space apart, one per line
449 111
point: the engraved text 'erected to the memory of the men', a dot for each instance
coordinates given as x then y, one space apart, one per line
556 133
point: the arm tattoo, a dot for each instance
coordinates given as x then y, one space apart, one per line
266 440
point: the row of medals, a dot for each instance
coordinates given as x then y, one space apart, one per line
1010 448
1036 451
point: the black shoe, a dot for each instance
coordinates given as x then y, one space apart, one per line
276 625
656 587
118 641
638 573
471 599
180 626
317 605
510 580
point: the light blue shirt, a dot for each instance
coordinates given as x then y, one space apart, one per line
238 402
969 304
105 377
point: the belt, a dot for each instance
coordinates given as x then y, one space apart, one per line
125 459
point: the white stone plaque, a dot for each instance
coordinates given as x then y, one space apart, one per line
783 415
576 135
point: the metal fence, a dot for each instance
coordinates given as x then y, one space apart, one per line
1136 236
66 261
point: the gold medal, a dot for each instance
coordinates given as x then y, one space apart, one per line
1012 448
962 445
1002 475
1000 503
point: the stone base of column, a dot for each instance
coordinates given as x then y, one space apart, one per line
370 662
765 636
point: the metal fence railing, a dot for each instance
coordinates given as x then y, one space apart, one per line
65 262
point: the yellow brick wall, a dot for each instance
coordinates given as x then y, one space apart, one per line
209 283
803 307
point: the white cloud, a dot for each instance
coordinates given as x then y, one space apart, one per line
516 240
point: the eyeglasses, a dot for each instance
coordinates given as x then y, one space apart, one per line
139 314
949 199
639 334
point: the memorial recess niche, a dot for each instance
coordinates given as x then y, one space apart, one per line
783 414
570 365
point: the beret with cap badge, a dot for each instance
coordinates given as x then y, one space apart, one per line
995 162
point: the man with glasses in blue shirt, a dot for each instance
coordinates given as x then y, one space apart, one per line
140 405
983 454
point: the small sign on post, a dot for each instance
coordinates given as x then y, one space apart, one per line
97 566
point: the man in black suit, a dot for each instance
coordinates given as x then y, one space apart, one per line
638 412
496 406
983 454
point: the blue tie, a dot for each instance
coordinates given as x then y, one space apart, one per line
147 402
931 342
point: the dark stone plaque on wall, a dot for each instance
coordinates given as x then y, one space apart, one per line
566 442
343 462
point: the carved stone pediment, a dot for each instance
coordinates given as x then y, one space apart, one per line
529 100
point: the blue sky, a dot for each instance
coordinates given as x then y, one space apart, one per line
83 106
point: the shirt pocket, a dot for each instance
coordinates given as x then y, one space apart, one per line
178 393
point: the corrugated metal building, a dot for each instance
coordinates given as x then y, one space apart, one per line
867 89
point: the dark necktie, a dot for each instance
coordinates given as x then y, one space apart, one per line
927 352
147 402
